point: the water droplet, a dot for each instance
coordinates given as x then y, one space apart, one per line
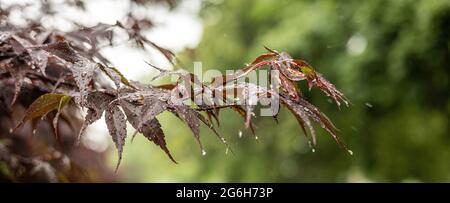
226 150
256 137
350 152
240 133
369 105
10 130
313 150
203 152
34 131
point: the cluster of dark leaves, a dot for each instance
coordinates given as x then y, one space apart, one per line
69 68
44 74
289 71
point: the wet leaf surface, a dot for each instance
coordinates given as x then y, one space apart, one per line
70 65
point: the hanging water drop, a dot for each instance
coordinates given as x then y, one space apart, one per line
34 131
350 152
11 130
224 140
313 150
203 152
226 150
240 133
256 137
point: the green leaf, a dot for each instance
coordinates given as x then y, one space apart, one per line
43 105
63 102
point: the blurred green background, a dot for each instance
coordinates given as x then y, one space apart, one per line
390 58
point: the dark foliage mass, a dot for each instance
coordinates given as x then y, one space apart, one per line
55 74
